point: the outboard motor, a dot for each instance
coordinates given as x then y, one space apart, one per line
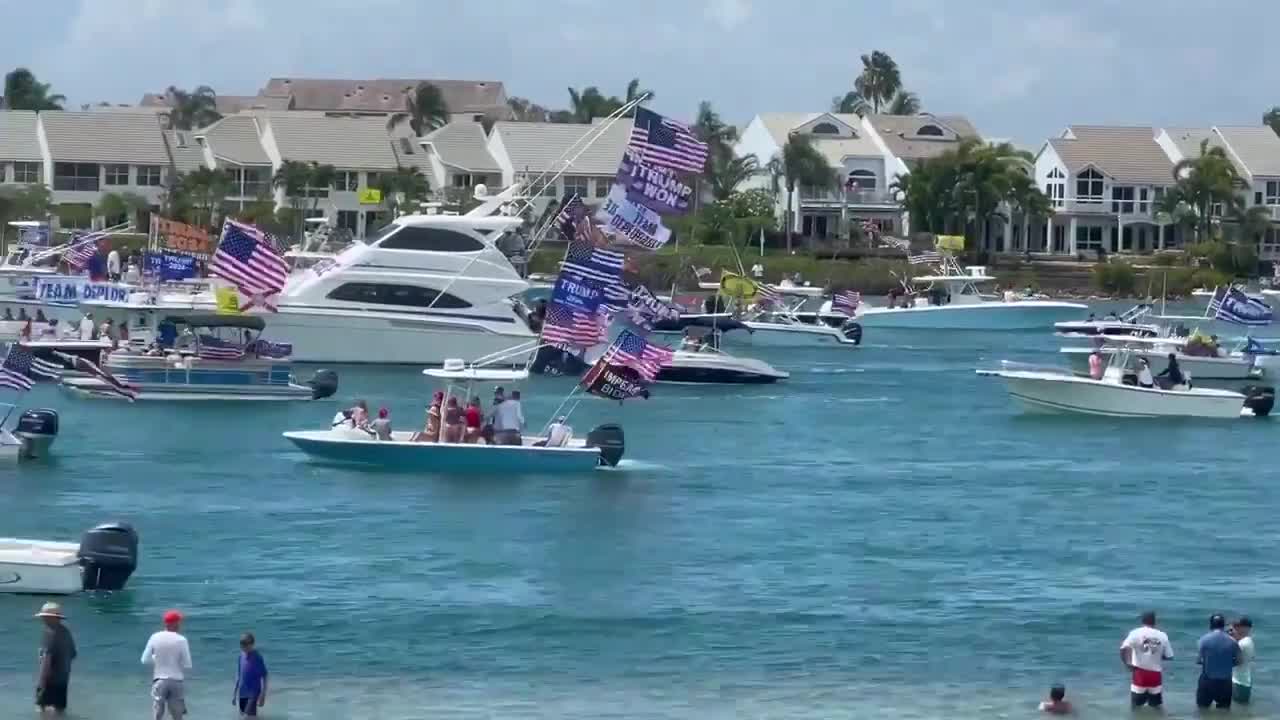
323 384
853 331
608 438
1259 399
37 430
108 556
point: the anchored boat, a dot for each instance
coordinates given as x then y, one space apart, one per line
104 559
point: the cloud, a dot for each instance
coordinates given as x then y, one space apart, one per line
728 14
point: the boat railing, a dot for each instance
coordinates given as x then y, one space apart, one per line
1010 365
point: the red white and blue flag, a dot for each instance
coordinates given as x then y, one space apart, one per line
846 302
246 257
113 384
662 142
82 250
767 295
15 372
215 348
576 328
927 257
635 352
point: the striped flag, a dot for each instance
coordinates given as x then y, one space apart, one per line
246 258
768 295
575 328
81 250
215 348
925 258
586 261
45 369
273 350
113 384
635 352
571 210
15 372
666 143
846 302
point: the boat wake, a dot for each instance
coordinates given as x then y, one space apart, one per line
626 465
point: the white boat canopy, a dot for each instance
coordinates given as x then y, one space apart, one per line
455 369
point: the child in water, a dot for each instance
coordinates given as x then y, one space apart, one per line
1057 703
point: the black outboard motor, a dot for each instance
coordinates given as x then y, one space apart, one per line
108 556
37 430
323 384
1259 399
608 438
853 331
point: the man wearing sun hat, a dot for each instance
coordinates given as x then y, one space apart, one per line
57 650
169 655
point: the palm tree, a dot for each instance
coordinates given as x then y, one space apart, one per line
1250 223
879 81
850 103
1026 198
205 190
1272 118
194 109
524 110
726 175
904 102
634 92
801 164
405 185
424 109
590 104
1205 181
711 129
293 178
23 92
114 205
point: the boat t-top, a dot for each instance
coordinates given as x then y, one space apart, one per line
544 452
950 300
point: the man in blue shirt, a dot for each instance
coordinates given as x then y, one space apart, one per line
1219 654
251 678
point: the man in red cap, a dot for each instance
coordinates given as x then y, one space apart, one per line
169 655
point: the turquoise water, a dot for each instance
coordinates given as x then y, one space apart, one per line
882 536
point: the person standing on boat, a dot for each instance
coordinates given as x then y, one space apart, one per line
757 271
473 417
508 421
432 432
360 414
1095 364
86 326
169 655
382 425
1143 652
452 421
113 265
57 650
1144 374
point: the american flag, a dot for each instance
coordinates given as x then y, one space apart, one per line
846 302
571 327
246 258
15 372
925 258
639 354
81 250
267 349
215 348
767 295
45 369
666 143
114 385
598 264
570 211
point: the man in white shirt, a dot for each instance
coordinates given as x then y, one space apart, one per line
1143 652
169 655
113 265
86 327
757 271
1242 674
559 433
508 421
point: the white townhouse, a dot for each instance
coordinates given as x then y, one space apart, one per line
587 155
457 156
867 152
21 162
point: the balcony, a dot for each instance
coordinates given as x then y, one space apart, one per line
1135 209
852 198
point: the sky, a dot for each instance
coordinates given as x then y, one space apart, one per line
1019 69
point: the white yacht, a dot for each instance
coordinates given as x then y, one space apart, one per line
951 301
422 289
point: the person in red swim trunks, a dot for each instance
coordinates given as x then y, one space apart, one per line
1144 651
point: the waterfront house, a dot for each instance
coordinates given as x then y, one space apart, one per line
471 100
234 145
588 155
21 162
456 156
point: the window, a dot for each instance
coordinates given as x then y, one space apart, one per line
1122 200
1144 206
348 219
1088 238
575 184
431 239
26 172
74 216
462 180
75 176
1270 243
117 174
861 181
346 181
405 295
1089 186
1272 196
150 176
1056 188
372 179
825 128
930 131
256 182
603 187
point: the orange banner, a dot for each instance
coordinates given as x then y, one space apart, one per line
181 237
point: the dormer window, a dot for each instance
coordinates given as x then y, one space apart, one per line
825 128
930 131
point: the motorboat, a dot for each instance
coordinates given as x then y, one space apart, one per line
951 301
407 451
1127 324
768 328
709 365
1203 364
1117 394
104 559
190 358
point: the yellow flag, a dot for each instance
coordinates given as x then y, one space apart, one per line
737 286
950 242
228 300
370 196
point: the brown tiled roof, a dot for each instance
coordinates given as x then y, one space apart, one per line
1127 154
383 95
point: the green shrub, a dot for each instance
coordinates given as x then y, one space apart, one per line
1117 278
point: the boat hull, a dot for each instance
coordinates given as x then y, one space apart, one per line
1065 394
403 454
719 368
783 335
39 567
1199 368
1018 315
89 387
